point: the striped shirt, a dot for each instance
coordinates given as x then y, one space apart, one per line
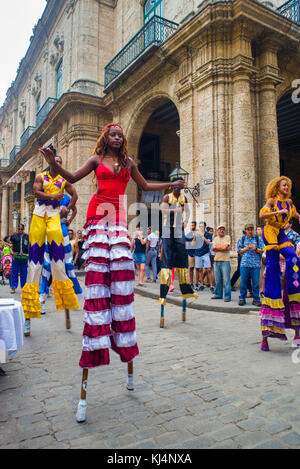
221 243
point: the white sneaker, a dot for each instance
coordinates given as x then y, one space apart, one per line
130 383
27 328
81 411
43 308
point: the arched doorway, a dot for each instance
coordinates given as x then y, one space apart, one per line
288 120
153 140
159 147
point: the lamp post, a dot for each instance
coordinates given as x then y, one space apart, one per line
180 173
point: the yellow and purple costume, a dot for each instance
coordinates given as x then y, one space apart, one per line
280 312
45 223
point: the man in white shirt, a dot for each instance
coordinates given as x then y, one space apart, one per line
151 255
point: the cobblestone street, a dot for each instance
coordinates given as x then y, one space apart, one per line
200 384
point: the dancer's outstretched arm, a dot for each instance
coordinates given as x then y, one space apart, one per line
81 173
145 186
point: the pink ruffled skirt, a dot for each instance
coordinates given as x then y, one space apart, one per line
108 309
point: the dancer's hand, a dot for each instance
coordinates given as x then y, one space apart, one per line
180 183
48 155
284 211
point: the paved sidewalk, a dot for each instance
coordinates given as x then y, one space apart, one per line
200 384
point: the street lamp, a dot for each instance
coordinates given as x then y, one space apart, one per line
180 173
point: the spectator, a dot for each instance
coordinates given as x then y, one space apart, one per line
211 256
74 246
80 241
221 247
151 255
202 257
237 275
250 248
139 256
20 249
191 251
293 236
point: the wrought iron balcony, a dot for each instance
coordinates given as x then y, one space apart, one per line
44 111
12 155
156 31
4 163
291 10
25 136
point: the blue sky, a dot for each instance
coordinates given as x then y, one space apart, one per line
17 18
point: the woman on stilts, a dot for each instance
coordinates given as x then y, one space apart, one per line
108 310
280 312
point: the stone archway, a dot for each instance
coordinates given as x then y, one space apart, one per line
153 140
288 120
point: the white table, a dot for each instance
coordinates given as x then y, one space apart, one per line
11 327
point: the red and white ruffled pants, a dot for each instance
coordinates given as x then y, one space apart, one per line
108 309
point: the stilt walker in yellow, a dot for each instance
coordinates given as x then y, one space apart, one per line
45 224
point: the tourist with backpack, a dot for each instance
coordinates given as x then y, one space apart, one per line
250 247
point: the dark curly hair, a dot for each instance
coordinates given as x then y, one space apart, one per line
102 144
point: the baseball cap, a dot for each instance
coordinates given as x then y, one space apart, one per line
220 226
249 225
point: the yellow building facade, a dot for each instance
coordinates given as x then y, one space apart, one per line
212 85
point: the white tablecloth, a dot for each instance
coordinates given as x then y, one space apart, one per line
11 326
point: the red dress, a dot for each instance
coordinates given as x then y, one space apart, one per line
108 309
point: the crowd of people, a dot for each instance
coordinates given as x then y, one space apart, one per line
210 257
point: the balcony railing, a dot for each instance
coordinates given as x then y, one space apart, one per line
12 155
291 10
44 111
4 163
26 135
156 31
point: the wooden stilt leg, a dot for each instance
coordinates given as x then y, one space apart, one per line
183 310
68 319
82 405
130 381
85 374
162 320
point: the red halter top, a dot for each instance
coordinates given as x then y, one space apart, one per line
108 201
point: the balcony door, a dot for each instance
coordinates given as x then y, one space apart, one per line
151 8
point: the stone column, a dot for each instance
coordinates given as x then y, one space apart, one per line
4 212
269 161
244 206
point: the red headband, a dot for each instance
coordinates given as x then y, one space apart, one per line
110 126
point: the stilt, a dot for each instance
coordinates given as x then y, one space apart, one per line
183 310
130 381
162 320
82 405
68 319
